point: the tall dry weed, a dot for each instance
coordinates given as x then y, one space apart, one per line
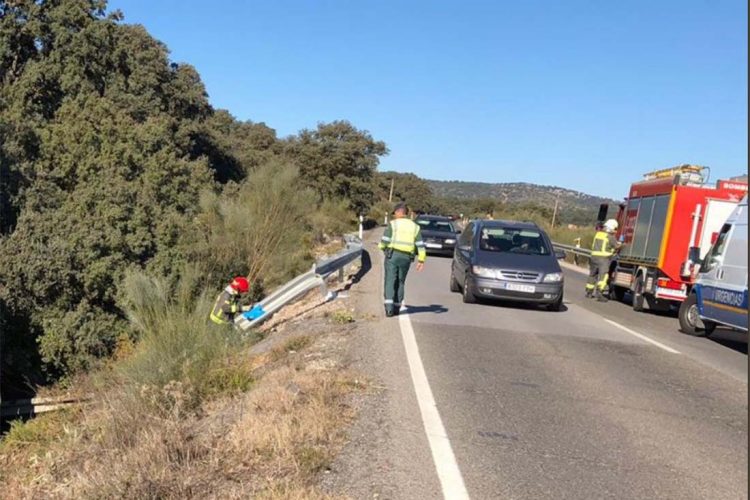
260 229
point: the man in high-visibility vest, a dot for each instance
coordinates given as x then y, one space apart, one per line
602 250
401 240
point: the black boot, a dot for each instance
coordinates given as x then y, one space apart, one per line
389 312
396 310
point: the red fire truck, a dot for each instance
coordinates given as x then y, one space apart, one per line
667 223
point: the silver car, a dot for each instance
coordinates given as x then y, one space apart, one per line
507 260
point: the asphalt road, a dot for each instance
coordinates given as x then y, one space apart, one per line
538 404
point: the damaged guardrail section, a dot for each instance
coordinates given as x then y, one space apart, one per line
294 289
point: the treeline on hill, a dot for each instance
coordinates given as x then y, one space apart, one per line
421 196
113 162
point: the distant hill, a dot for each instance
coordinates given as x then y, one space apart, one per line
519 192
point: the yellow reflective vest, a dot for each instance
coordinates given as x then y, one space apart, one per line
604 245
405 236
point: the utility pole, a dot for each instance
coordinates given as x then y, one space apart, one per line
554 213
390 195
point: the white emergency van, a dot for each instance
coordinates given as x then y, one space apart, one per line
719 296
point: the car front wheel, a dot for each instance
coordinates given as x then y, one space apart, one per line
454 286
556 306
469 297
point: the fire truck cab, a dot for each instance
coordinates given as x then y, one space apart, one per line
668 222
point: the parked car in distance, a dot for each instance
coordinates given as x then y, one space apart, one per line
508 260
719 296
439 233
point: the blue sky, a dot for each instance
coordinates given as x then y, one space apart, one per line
586 95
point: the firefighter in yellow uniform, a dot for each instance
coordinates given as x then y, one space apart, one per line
227 304
401 240
602 250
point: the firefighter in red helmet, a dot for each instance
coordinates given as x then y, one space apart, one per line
227 304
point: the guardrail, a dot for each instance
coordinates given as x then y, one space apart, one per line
584 252
34 406
294 289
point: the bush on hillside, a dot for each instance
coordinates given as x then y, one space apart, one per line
176 343
257 229
333 218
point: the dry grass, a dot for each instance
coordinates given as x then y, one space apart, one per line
342 316
269 442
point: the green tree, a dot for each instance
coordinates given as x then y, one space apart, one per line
338 161
406 187
101 164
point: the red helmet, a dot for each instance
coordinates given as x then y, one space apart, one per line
240 284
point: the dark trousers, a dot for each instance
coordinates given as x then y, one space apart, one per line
396 269
598 274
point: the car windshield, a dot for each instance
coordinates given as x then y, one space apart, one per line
513 240
436 225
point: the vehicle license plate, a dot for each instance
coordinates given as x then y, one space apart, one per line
433 245
520 288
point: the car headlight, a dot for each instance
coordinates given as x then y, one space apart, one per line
450 242
553 277
485 272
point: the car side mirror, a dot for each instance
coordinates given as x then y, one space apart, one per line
559 254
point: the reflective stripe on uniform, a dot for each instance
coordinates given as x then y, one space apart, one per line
217 319
405 237
602 283
403 234
388 301
600 245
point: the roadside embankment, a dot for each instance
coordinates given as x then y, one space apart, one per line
258 417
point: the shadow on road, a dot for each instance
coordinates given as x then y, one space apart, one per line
363 270
726 337
526 306
434 308
731 339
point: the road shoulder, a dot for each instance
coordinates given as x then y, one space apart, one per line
387 454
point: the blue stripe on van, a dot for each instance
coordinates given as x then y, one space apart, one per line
727 306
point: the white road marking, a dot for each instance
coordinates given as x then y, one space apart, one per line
641 336
450 477
451 480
